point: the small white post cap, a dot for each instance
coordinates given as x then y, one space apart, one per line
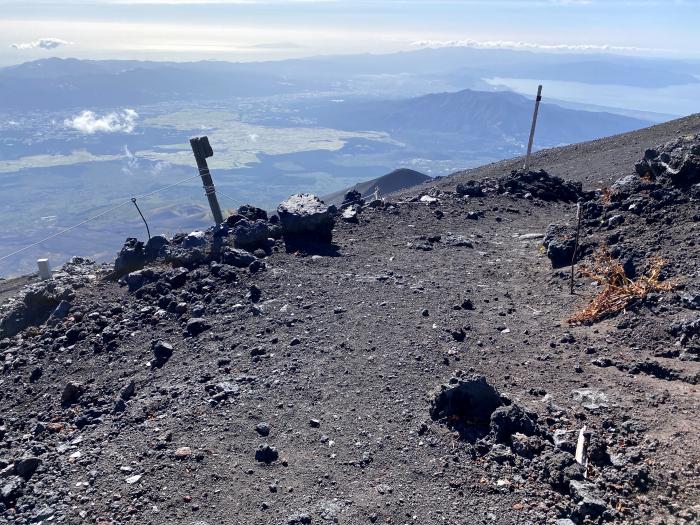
44 270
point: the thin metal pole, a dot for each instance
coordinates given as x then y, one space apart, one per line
532 129
148 230
573 257
202 150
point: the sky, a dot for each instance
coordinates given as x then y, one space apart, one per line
245 30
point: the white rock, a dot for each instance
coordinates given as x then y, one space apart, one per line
133 479
529 236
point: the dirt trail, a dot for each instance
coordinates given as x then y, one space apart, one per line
340 358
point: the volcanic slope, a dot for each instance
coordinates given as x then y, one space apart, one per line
390 183
308 391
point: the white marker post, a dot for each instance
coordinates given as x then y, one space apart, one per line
532 129
44 270
581 455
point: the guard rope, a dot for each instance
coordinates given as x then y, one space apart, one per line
101 214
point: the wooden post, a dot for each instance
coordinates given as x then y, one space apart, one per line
202 150
573 257
532 129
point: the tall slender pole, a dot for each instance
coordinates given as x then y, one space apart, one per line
573 257
532 129
202 150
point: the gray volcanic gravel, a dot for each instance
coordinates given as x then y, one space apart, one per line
309 386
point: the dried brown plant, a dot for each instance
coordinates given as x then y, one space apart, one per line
619 291
648 177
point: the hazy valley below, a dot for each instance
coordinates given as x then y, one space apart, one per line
309 125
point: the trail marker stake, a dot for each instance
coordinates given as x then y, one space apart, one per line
532 129
202 151
581 456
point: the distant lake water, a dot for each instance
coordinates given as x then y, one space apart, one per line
675 100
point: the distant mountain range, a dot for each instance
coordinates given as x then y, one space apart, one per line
55 84
67 83
487 116
395 181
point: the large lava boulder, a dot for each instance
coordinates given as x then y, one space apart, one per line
541 185
187 258
559 241
237 257
155 247
305 218
39 301
626 186
352 198
677 162
252 213
130 258
470 188
250 233
512 419
470 399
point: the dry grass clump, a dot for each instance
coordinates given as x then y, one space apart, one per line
619 291
605 195
648 177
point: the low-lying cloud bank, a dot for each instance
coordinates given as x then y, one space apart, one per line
508 44
116 122
42 43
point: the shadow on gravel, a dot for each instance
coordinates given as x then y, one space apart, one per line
466 406
312 248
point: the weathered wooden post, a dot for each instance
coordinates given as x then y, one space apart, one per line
532 129
202 151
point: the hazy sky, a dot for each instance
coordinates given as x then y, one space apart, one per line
273 29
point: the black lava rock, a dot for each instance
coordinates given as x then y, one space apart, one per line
196 326
470 399
263 429
130 258
470 188
266 454
252 213
162 351
507 420
560 244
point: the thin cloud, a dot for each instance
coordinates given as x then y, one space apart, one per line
42 43
507 44
117 122
276 45
221 2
